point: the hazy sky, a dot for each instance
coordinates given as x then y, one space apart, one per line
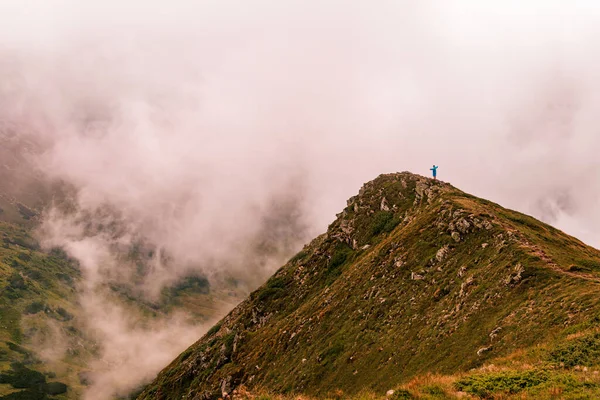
195 119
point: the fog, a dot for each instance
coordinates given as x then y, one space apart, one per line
208 128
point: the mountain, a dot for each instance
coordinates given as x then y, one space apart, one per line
417 290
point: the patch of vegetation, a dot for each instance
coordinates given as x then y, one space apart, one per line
274 289
299 256
332 353
587 264
342 254
510 382
35 307
16 282
214 329
197 284
55 388
583 351
402 394
383 222
63 314
25 211
26 395
21 377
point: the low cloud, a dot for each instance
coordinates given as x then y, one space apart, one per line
225 134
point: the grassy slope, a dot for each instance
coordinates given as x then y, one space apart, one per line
429 280
36 291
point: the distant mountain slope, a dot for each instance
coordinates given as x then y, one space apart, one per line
40 302
37 294
413 277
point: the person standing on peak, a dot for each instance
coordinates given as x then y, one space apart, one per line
434 170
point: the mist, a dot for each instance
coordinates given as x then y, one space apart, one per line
212 129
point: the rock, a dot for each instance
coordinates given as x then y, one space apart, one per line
416 277
516 277
463 225
463 286
483 350
389 393
455 236
226 386
461 271
484 245
495 332
442 253
366 246
487 225
384 205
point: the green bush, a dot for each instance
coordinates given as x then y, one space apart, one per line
16 282
270 294
197 284
587 265
402 394
21 377
35 307
64 314
485 385
434 390
24 256
55 388
25 395
580 351
214 329
16 348
383 222
340 256
299 256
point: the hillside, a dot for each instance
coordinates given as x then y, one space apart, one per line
413 278
39 302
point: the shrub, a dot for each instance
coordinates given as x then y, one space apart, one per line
64 314
299 256
16 281
270 294
501 382
55 388
587 265
25 395
214 329
35 307
21 377
383 222
580 351
402 394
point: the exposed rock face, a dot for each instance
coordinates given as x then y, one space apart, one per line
413 276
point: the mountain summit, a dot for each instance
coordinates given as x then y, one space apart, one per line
414 276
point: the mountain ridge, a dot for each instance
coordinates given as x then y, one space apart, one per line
414 276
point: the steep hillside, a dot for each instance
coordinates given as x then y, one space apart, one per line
413 277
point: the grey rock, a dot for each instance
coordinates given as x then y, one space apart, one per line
456 236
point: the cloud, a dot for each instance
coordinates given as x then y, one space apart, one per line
195 122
